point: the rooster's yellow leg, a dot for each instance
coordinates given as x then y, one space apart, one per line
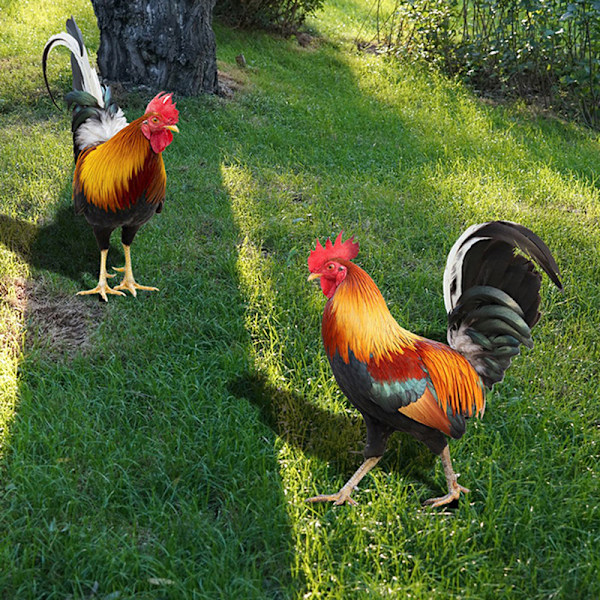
129 283
344 494
454 489
102 288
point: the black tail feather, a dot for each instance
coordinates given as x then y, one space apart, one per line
47 49
74 30
492 293
78 79
85 77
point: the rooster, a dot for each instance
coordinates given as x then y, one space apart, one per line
400 381
119 178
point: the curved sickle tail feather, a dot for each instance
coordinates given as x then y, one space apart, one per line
85 78
96 116
492 293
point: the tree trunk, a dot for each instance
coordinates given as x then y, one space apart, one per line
162 44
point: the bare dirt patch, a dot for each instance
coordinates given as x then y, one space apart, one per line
60 324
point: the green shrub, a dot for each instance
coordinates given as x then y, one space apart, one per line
284 16
549 49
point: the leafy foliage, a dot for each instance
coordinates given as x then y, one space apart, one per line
284 16
542 48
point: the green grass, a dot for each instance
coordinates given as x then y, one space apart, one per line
162 447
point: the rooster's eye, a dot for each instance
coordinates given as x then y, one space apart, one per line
330 267
155 119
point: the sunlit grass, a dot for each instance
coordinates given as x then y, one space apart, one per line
25 29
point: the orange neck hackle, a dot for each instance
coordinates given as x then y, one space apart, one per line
116 173
356 317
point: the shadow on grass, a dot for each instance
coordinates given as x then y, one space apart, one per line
138 433
331 437
65 246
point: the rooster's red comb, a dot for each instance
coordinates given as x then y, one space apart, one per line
163 104
320 255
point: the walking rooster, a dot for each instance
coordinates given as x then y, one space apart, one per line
400 381
119 178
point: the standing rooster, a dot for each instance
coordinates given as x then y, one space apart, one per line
119 178
400 381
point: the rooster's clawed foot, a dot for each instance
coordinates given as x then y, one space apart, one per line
338 499
103 289
130 284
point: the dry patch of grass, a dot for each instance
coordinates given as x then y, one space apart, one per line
61 324
232 79
13 298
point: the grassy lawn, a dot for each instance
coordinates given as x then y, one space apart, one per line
162 447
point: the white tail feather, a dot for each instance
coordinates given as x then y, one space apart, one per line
91 82
454 264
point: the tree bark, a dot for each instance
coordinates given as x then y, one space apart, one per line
162 44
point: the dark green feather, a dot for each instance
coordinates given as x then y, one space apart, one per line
479 339
501 312
498 326
485 294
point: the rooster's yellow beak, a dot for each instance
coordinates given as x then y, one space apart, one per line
313 276
172 128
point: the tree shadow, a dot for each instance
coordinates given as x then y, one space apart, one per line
65 246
